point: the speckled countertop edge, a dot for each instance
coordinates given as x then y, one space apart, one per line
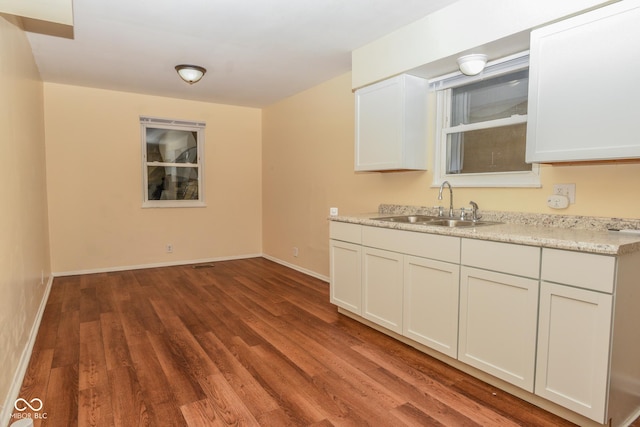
577 233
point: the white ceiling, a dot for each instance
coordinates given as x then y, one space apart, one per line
257 52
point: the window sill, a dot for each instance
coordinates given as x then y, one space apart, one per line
173 204
492 180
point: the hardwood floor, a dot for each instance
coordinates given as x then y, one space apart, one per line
245 342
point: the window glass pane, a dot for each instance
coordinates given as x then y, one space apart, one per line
499 149
172 183
490 99
171 146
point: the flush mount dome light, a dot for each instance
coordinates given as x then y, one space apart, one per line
190 73
472 64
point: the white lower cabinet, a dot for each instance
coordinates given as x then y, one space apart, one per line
382 294
498 315
560 324
575 329
346 269
573 348
345 265
410 284
499 309
431 303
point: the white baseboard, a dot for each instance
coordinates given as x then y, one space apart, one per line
297 268
631 418
193 261
23 364
153 265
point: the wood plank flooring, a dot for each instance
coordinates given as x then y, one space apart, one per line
245 342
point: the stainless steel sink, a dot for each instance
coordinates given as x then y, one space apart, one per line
435 220
410 219
460 223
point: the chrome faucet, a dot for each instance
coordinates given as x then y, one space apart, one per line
450 197
474 211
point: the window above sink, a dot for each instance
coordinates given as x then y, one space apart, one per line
481 127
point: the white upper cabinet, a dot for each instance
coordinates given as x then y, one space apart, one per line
391 125
583 87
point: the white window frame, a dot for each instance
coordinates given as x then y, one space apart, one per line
172 124
442 86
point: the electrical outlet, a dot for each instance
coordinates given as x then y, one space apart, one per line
169 248
568 190
295 251
333 211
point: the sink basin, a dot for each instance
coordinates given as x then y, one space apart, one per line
435 220
410 219
460 223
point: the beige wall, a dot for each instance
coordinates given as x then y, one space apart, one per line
308 167
95 182
308 158
24 248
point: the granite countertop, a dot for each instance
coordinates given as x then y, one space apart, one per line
578 233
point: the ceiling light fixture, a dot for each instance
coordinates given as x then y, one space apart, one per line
472 64
190 73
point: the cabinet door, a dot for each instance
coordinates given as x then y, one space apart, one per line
573 349
431 290
498 319
583 87
382 288
391 125
346 285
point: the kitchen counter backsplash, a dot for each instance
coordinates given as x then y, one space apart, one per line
546 220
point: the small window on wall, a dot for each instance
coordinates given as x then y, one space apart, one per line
482 127
172 163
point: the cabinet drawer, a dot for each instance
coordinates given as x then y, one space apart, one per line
345 231
504 257
434 246
588 271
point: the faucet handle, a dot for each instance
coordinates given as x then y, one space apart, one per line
463 214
